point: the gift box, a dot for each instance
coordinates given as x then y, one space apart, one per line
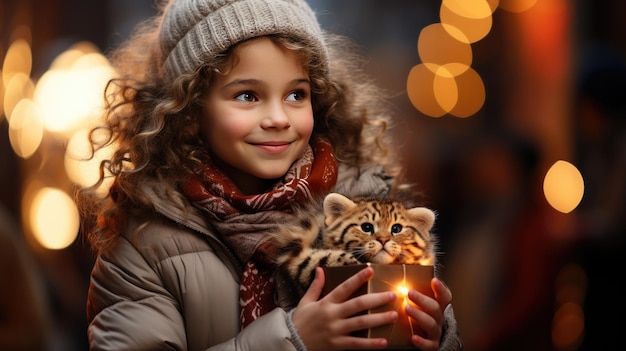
393 277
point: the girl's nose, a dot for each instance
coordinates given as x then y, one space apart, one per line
275 117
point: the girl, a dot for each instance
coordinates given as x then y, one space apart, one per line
226 112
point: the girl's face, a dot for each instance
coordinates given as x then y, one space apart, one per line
258 118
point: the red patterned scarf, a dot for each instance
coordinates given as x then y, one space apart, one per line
245 222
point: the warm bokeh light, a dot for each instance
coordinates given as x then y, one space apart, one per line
469 8
67 58
568 321
420 91
25 128
436 46
18 59
516 5
82 170
493 4
18 87
452 86
66 98
471 94
1 97
54 218
563 186
73 95
464 29
445 89
438 93
568 327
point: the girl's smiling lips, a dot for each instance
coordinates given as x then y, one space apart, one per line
274 147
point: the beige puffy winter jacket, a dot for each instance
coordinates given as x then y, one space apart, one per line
170 284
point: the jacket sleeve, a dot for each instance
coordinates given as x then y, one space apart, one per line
265 333
128 307
146 297
451 338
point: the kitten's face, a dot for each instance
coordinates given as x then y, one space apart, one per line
379 241
380 232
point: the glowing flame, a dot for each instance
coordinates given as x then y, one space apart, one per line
403 290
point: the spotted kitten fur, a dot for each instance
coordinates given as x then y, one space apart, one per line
350 232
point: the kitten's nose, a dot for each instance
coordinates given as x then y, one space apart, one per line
383 240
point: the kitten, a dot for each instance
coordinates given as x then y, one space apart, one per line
351 232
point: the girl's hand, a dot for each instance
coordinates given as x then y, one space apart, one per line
428 314
325 324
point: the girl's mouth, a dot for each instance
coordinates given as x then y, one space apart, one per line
273 147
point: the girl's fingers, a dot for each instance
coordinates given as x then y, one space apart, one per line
315 289
366 302
428 314
367 321
355 343
442 293
429 324
351 306
425 302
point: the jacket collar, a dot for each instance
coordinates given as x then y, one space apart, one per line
174 206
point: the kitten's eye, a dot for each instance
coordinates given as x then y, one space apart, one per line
396 228
367 228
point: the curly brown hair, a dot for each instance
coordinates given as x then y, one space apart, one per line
151 124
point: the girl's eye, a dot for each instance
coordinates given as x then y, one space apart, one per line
367 228
296 96
246 97
396 228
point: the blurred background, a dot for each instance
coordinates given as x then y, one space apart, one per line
510 115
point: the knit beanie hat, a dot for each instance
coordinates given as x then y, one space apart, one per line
194 31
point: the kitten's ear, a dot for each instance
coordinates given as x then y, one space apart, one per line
424 216
335 205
